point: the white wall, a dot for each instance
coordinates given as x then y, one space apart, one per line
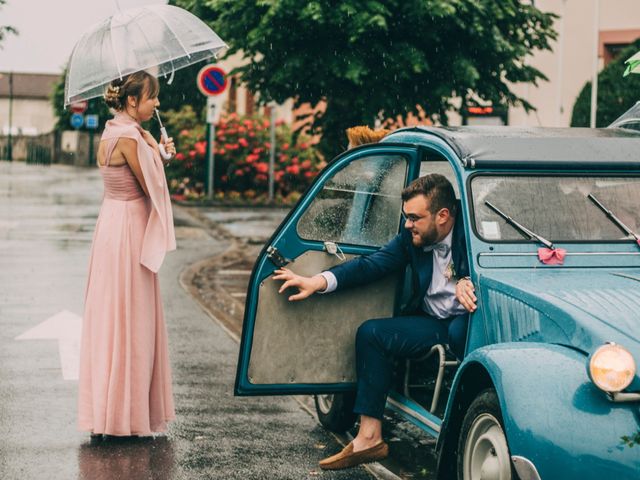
31 116
570 65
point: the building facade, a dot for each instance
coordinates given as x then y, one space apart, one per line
590 34
25 105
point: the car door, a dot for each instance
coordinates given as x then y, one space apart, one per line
353 208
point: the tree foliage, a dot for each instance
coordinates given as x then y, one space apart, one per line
63 116
369 59
616 94
5 29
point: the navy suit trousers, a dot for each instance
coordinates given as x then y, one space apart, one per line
380 340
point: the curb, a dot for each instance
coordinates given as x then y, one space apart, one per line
224 320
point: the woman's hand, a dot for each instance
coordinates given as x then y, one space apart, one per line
169 146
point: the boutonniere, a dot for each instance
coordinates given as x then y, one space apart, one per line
450 271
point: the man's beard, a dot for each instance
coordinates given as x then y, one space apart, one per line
423 239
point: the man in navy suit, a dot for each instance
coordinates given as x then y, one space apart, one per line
432 243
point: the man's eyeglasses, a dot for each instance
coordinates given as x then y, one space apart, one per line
411 218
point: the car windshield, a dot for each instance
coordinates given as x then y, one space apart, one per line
557 208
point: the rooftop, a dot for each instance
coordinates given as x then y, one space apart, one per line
501 147
28 85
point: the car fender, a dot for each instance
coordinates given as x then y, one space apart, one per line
553 415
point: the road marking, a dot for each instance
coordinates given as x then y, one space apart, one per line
65 327
234 272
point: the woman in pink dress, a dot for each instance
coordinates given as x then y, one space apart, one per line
125 376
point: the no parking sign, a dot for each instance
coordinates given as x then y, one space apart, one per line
212 80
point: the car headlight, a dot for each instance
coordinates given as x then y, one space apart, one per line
612 368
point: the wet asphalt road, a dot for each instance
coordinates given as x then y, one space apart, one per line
47 215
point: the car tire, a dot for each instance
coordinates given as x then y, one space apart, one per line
483 450
335 411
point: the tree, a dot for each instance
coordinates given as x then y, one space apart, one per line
372 59
63 116
5 29
615 93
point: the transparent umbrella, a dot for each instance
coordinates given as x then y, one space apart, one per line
632 63
158 38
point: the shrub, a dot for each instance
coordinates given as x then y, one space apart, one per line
241 158
616 94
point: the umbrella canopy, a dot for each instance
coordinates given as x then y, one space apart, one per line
157 38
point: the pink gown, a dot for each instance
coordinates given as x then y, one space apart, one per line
125 376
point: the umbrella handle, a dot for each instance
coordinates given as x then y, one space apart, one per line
163 152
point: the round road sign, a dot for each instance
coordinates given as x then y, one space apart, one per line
212 80
79 107
77 119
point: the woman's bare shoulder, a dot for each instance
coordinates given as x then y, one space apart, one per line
127 143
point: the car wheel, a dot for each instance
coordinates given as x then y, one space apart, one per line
335 411
483 452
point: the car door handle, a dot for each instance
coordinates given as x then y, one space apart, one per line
276 257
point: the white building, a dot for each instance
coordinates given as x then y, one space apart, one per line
25 104
584 28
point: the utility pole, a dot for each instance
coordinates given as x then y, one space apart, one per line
272 153
10 140
594 81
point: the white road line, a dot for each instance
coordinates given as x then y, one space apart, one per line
65 327
234 272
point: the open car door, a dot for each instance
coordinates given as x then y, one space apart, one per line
353 208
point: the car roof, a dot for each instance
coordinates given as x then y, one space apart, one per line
532 147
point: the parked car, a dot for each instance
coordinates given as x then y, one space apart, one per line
548 387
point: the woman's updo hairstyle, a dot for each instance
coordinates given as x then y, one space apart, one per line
134 85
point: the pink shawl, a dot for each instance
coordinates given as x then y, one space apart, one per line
159 236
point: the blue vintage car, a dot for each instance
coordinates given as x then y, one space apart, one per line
548 387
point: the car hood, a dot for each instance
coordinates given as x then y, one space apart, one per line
579 308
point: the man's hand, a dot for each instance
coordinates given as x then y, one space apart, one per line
306 286
465 293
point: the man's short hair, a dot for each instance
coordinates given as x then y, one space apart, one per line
436 188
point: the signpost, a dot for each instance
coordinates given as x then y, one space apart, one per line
91 122
79 107
212 82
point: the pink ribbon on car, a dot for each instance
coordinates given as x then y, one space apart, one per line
552 256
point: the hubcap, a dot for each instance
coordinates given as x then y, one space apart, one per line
486 454
325 402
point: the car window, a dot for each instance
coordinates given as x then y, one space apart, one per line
436 164
557 208
360 204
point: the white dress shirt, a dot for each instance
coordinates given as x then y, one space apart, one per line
440 300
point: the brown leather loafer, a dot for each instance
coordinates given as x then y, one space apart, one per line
347 458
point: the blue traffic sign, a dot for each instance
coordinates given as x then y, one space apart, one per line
77 119
212 80
91 121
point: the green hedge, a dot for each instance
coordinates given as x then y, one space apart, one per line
616 94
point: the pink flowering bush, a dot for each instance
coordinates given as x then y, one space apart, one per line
241 162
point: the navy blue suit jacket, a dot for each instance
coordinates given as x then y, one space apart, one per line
395 256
